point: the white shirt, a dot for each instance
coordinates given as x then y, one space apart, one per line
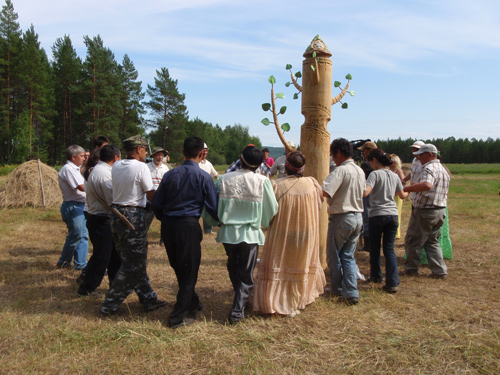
279 165
99 183
208 167
131 180
69 179
157 172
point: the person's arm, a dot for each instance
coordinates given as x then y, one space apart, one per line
368 190
269 204
150 194
401 194
81 187
418 187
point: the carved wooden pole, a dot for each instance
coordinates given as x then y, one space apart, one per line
314 136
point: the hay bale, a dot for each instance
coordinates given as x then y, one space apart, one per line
22 187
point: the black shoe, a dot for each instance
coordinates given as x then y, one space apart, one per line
80 279
349 301
155 305
234 320
185 322
106 312
390 289
64 265
436 276
374 280
94 294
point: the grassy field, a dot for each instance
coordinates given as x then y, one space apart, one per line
428 327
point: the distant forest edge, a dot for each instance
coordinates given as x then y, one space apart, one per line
452 150
47 104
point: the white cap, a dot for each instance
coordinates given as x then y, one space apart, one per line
426 148
291 144
417 144
205 146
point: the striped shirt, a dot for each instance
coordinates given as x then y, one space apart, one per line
434 173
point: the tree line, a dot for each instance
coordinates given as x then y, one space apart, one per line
452 150
47 105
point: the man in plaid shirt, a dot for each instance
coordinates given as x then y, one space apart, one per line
428 214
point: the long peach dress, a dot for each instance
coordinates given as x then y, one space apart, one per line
290 275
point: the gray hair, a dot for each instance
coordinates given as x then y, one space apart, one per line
73 150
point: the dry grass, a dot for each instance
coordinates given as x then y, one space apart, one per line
429 326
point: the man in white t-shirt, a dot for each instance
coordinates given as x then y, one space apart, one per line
132 183
209 168
71 184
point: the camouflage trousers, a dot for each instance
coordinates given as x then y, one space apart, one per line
132 246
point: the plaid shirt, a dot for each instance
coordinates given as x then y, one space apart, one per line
434 173
263 168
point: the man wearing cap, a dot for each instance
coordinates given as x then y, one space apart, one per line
246 203
157 169
416 167
209 168
279 165
344 189
156 166
428 214
131 183
178 203
366 148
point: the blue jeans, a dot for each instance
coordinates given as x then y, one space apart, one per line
343 232
384 228
77 241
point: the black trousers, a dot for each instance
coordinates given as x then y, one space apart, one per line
182 237
241 260
104 255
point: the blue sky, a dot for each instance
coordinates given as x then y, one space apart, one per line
421 69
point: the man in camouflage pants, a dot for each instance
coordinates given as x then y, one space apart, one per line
132 183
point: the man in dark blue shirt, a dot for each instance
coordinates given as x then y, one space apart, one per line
178 203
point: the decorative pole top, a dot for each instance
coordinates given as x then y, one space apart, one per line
317 46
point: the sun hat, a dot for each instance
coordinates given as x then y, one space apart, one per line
417 144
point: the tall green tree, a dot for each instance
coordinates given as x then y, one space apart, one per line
168 112
36 94
67 71
237 138
102 108
10 44
131 100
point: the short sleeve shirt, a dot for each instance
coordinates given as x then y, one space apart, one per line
435 174
345 186
208 167
69 178
131 180
385 184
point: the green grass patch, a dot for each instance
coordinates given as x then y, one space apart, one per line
463 169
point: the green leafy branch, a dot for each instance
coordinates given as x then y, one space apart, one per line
271 107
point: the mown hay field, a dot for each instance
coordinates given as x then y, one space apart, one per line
428 327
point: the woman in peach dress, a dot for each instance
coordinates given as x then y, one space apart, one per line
290 275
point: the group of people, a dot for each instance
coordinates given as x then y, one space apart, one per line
117 199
